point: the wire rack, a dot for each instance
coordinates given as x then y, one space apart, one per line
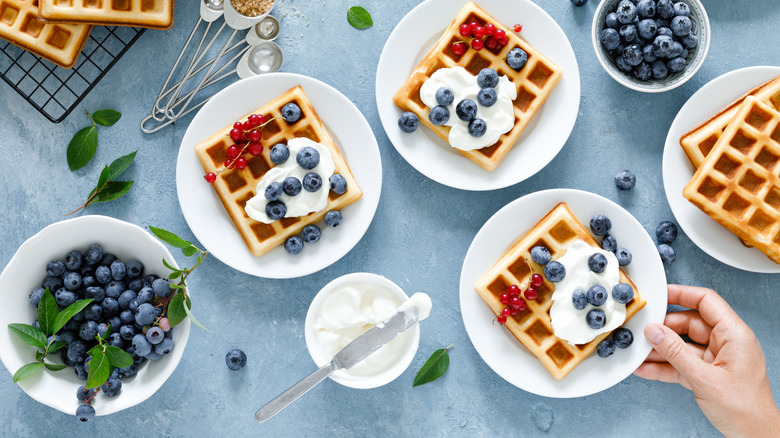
56 91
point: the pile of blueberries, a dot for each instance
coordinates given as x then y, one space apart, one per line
124 306
649 39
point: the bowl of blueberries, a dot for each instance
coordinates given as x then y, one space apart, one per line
651 45
119 267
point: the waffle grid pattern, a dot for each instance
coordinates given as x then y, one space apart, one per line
156 14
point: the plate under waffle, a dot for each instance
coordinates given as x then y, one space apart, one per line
156 14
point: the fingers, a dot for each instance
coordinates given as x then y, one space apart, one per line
689 322
711 306
674 350
698 350
663 372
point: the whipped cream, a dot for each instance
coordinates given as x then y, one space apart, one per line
569 323
499 117
304 202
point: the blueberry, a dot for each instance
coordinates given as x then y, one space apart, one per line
127 332
610 39
632 54
76 351
605 348
134 305
579 2
311 233
647 28
107 259
71 280
667 254
646 9
35 295
141 345
677 50
145 314
308 158
676 65
115 288
444 96
312 182
681 25
274 191
164 347
647 53
487 96
597 295
153 355
114 322
622 293
110 306
161 287
338 184
600 225
596 319
145 295
103 274
477 128
466 110
664 9
662 45
540 255
554 271
408 121
580 299
682 9
628 33
659 70
612 21
88 330
275 210
439 115
93 255
487 78
279 153
126 317
292 186
73 261
112 387
118 270
155 335
64 297
622 65
68 336
333 218
88 281
127 372
623 256
93 312
293 245
625 180
55 268
684 54
622 337
664 31
235 359
135 269
597 262
666 232
84 395
115 339
609 243
149 279
291 112
690 41
102 329
52 283
626 12
516 59
85 413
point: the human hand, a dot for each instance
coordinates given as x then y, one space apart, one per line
725 367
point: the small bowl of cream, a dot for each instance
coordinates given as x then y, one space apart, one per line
348 307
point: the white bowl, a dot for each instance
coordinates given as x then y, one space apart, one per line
410 338
25 272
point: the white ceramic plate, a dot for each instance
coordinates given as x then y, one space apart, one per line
707 234
505 354
208 219
26 271
542 139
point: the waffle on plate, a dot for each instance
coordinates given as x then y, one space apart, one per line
156 14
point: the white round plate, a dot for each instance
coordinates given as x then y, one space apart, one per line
542 139
707 234
208 219
503 352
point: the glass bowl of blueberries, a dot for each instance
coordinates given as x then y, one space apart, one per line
651 45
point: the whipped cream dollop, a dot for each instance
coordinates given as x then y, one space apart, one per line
569 323
499 117
304 202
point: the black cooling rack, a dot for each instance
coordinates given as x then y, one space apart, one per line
56 91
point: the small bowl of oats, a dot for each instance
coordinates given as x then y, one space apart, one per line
243 14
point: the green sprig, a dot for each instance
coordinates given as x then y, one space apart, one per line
83 145
107 189
434 367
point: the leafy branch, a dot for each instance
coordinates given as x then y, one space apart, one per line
104 359
83 145
107 189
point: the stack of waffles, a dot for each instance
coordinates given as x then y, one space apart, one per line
57 30
736 155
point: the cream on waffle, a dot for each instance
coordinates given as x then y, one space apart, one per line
533 327
235 187
738 184
534 82
699 142
156 14
59 43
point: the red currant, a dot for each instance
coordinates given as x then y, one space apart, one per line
537 280
489 29
473 25
513 290
517 27
247 126
491 43
501 319
522 305
210 177
477 44
515 302
531 293
255 135
478 32
254 120
459 49
464 30
506 311
255 148
229 163
500 33
503 41
235 134
513 312
233 152
238 125
241 163
504 299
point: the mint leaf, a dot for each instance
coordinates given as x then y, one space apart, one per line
54 366
29 334
433 368
117 357
47 312
82 147
27 371
112 190
99 370
69 312
106 117
56 346
170 238
176 312
359 17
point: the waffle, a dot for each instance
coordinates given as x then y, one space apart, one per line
59 43
737 184
532 327
156 14
700 141
534 82
235 187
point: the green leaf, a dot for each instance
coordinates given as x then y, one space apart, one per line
99 370
359 17
69 312
39 355
101 180
434 367
189 251
176 312
27 371
112 190
174 275
29 334
120 165
106 117
192 317
82 147
47 313
118 358
94 350
56 346
106 334
170 238
55 366
169 266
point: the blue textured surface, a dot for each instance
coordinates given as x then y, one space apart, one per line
418 239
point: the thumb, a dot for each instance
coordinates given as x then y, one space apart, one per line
672 348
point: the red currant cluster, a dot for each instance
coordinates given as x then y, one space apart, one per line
513 299
247 139
482 36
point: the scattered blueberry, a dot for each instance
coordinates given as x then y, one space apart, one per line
308 158
596 319
622 337
292 186
605 348
597 262
312 182
333 218
466 110
540 255
112 387
338 184
554 271
439 115
275 210
444 96
487 78
622 293
311 233
667 253
600 225
487 96
666 232
516 59
579 299
235 359
293 245
291 112
279 153
408 121
273 191
625 180
85 413
477 128
597 295
83 395
623 256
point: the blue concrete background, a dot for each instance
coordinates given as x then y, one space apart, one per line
417 241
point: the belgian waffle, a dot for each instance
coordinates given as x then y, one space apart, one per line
532 327
156 14
59 43
738 184
534 82
700 141
235 187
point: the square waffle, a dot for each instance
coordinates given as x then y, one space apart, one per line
534 82
59 43
156 14
532 327
738 184
235 187
700 141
